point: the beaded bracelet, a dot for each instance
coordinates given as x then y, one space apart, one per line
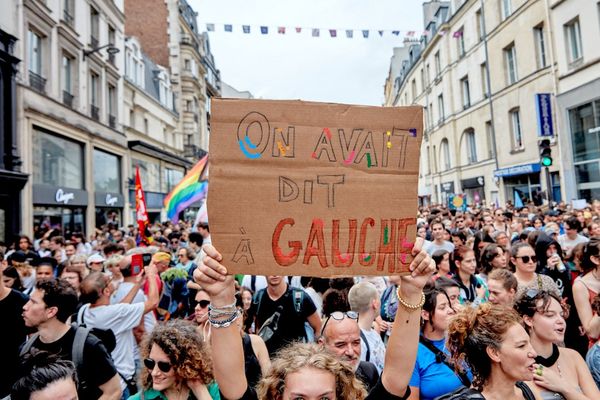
225 310
410 307
226 322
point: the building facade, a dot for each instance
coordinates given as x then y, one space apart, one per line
480 73
576 29
69 90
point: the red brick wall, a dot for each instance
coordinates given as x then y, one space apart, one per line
147 20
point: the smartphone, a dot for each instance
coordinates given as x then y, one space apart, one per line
137 264
146 259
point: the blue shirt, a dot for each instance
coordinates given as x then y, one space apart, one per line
433 379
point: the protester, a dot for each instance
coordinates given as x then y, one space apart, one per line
442 262
48 378
524 260
74 275
502 286
491 341
177 365
473 289
11 278
304 369
439 242
452 290
492 257
433 375
572 237
562 371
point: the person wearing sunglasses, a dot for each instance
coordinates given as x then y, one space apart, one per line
561 372
200 307
306 370
433 375
524 261
177 365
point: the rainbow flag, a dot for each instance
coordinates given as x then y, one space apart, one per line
190 190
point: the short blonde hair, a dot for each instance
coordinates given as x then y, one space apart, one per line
361 295
299 356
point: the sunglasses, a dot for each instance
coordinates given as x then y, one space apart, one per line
202 303
162 365
338 316
527 258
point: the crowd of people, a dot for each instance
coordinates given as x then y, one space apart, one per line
499 303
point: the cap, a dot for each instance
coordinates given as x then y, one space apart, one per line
95 258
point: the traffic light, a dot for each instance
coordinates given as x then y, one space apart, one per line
545 153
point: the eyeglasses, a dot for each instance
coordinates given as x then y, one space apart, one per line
338 316
202 303
527 258
162 365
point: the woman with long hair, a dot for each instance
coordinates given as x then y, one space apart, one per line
563 373
12 279
491 341
177 364
492 257
473 289
442 263
433 375
524 262
308 370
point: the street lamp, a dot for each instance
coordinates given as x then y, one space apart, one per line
110 49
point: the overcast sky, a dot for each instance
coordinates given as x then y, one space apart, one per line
298 66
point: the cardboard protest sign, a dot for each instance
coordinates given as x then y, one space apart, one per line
313 189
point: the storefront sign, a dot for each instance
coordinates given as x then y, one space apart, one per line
52 195
473 182
518 170
543 107
447 187
103 199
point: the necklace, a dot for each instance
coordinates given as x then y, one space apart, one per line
550 361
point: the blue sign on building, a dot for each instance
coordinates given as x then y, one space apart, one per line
518 170
543 107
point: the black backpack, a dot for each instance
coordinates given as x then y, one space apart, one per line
271 325
465 393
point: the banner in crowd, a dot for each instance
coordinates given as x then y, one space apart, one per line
313 189
141 213
192 188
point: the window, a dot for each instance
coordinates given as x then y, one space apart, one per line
94 96
132 119
540 46
510 57
506 8
441 108
57 161
517 136
484 85
67 74
438 64
134 64
112 41
480 24
489 133
466 93
426 111
94 27
445 149
428 161
460 42
146 128
149 174
422 79
573 35
471 146
112 106
107 172
428 74
165 94
171 178
585 136
431 115
68 12
35 53
187 65
414 89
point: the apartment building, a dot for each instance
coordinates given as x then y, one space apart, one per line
481 73
69 88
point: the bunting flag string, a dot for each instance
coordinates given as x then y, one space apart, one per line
316 32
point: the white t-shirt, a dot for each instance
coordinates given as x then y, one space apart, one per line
567 244
121 319
121 292
259 283
376 349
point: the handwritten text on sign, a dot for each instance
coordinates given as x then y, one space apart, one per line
313 189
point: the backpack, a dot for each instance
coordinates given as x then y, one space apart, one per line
366 342
465 393
271 325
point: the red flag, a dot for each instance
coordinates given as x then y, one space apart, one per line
140 209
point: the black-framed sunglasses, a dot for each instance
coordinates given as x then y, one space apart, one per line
527 258
202 303
338 316
162 365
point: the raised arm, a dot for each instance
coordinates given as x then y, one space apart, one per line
226 341
402 348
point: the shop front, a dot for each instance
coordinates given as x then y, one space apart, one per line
474 189
59 208
108 198
521 183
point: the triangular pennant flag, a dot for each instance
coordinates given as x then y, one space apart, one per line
457 34
298 29
315 32
365 33
442 32
396 33
228 28
264 30
281 30
210 27
349 33
246 28
380 33
333 33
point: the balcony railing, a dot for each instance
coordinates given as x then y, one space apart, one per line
68 99
37 82
68 18
95 112
112 121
